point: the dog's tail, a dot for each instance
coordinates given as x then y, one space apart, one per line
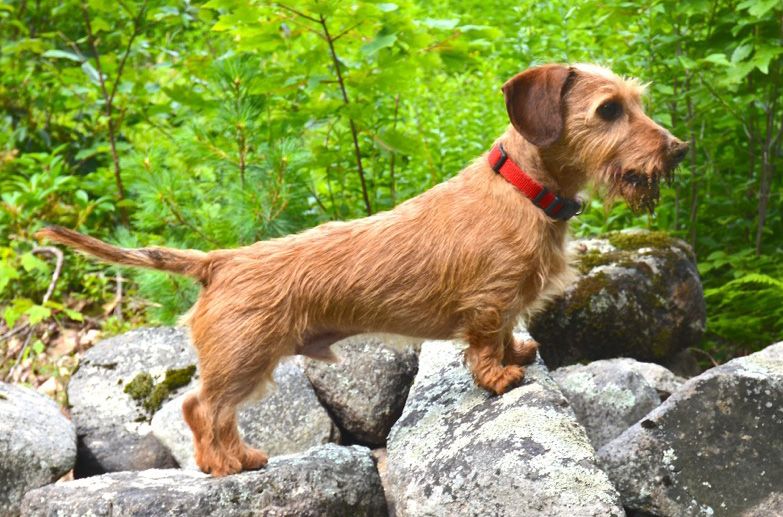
192 263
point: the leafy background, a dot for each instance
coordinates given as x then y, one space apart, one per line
217 124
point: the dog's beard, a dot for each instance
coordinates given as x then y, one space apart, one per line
640 190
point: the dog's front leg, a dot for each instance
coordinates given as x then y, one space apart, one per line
484 358
518 351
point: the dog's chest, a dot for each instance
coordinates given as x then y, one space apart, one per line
548 277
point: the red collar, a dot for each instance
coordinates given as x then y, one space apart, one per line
553 205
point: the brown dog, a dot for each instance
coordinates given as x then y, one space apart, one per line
463 260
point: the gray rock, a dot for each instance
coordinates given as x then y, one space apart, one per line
289 419
37 444
607 396
638 295
366 391
662 379
457 450
713 448
684 364
326 481
112 427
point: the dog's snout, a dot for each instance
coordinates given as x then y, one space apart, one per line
678 150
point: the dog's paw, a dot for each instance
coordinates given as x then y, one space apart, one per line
505 378
220 466
521 352
254 459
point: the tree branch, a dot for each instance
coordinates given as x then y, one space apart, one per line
107 100
726 105
181 219
57 268
392 188
346 31
49 291
299 13
136 32
354 132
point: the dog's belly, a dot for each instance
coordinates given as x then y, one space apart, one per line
319 346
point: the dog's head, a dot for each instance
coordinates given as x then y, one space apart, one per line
594 122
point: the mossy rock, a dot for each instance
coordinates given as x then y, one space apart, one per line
150 395
638 295
121 383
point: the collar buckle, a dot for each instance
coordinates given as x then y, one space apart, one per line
570 208
502 160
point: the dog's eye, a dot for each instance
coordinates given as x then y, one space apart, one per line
610 110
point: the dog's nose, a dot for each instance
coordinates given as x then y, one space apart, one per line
678 150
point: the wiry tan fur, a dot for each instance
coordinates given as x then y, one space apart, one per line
463 260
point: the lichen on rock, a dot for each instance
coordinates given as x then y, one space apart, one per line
457 450
712 448
328 481
608 396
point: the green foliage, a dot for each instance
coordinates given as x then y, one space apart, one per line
20 273
217 124
745 307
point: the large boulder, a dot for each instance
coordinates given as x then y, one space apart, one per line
607 397
458 450
713 448
289 419
638 295
366 390
663 380
119 385
326 481
37 444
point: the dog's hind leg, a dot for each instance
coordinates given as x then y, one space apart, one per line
211 415
227 379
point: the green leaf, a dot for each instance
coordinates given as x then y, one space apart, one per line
737 72
395 141
38 347
91 72
74 315
759 8
741 52
764 55
378 43
15 311
63 54
38 313
82 196
99 24
687 62
718 59
7 273
30 262
664 119
444 24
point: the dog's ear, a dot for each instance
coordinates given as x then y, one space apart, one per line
534 100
